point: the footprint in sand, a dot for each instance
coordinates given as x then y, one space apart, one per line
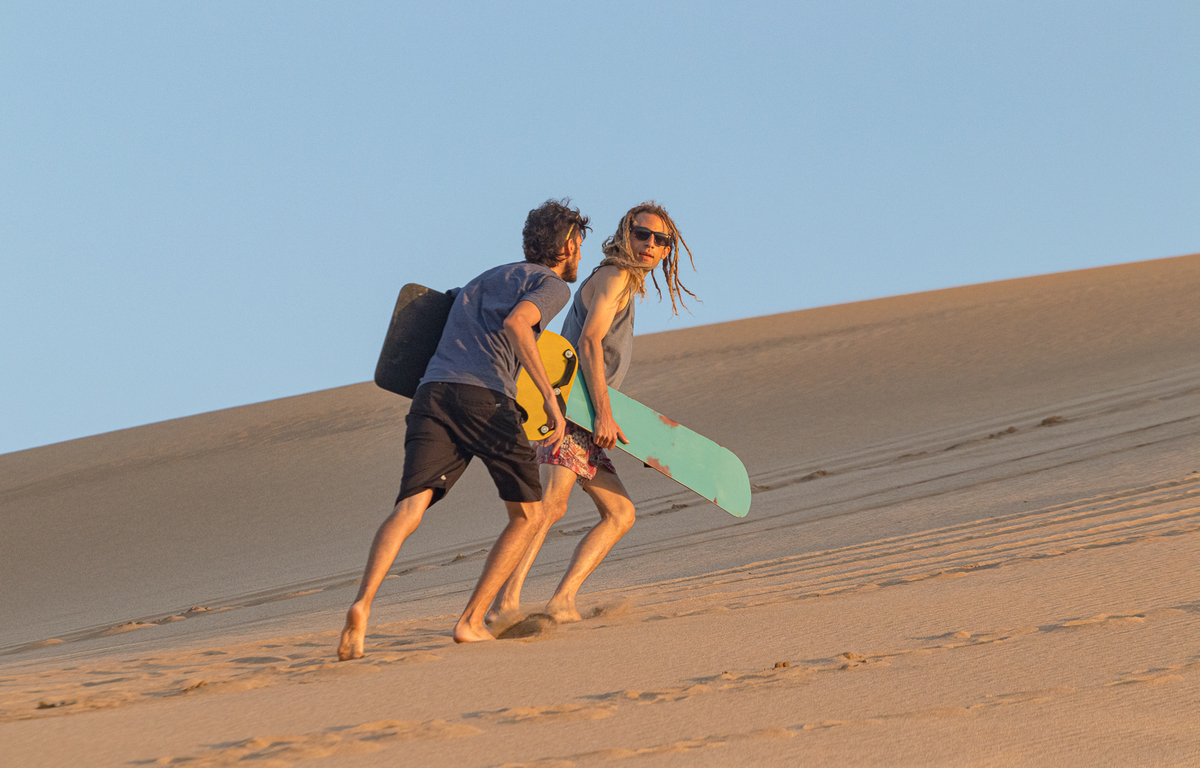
128 626
533 625
480 554
43 643
356 740
552 713
612 608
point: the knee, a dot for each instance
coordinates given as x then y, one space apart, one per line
408 512
554 506
553 511
623 517
525 514
536 517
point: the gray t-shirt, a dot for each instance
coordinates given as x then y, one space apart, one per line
474 348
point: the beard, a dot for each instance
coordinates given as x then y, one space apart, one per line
571 272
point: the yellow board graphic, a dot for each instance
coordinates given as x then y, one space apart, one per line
560 360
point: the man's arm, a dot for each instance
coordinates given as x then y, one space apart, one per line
519 326
609 290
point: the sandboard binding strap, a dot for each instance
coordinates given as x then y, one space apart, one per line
567 377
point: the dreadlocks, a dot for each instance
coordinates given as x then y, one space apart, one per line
619 253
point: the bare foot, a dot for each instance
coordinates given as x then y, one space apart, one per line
563 611
351 645
465 633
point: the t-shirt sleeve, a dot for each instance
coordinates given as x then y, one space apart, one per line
549 295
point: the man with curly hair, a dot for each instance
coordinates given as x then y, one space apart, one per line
464 407
600 325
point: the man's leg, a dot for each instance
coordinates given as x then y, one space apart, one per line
616 518
399 526
559 482
524 520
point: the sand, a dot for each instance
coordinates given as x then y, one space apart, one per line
974 541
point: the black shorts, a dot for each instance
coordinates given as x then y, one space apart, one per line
449 424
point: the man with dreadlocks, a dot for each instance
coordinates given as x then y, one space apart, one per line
600 325
464 407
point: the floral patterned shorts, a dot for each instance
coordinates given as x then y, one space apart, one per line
577 453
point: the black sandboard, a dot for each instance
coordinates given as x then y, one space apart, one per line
412 338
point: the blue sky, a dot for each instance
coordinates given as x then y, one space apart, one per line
208 204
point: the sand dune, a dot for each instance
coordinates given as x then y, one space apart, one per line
973 541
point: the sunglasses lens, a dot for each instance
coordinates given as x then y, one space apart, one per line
643 234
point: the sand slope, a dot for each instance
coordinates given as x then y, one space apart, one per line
973 541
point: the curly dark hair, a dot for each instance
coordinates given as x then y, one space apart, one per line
547 228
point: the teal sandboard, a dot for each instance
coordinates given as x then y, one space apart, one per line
689 459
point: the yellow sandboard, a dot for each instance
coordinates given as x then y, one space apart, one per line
558 356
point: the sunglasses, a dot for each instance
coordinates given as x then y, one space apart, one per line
661 239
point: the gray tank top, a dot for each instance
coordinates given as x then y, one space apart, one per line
618 342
